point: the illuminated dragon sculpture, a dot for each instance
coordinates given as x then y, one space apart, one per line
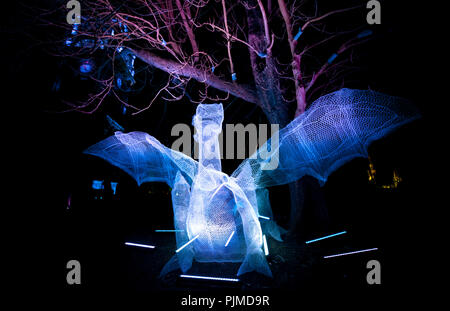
221 218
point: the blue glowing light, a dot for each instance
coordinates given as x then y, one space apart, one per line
163 42
86 66
262 54
69 42
56 85
74 29
208 278
350 253
87 43
131 65
364 33
97 184
213 68
116 126
326 237
332 58
264 217
229 239
299 33
190 241
114 187
233 76
139 245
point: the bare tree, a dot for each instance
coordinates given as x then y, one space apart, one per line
278 55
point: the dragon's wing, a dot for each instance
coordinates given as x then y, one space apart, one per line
144 157
335 129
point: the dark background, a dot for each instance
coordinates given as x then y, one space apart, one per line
46 166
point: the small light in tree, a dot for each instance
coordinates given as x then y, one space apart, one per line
299 33
364 33
113 124
74 29
86 66
87 43
332 58
262 54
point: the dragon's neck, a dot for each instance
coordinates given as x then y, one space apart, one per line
209 152
208 125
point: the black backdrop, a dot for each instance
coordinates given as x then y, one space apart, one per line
45 166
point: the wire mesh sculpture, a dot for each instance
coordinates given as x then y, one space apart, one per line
221 218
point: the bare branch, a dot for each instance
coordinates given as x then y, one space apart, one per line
187 27
244 92
296 61
347 45
326 15
225 19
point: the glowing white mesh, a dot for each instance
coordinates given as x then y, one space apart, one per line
222 213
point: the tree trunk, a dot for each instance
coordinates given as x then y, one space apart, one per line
264 70
267 83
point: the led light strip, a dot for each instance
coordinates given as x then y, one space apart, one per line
208 278
266 248
356 252
228 241
326 237
187 243
139 245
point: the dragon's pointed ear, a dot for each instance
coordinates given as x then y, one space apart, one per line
144 158
335 129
